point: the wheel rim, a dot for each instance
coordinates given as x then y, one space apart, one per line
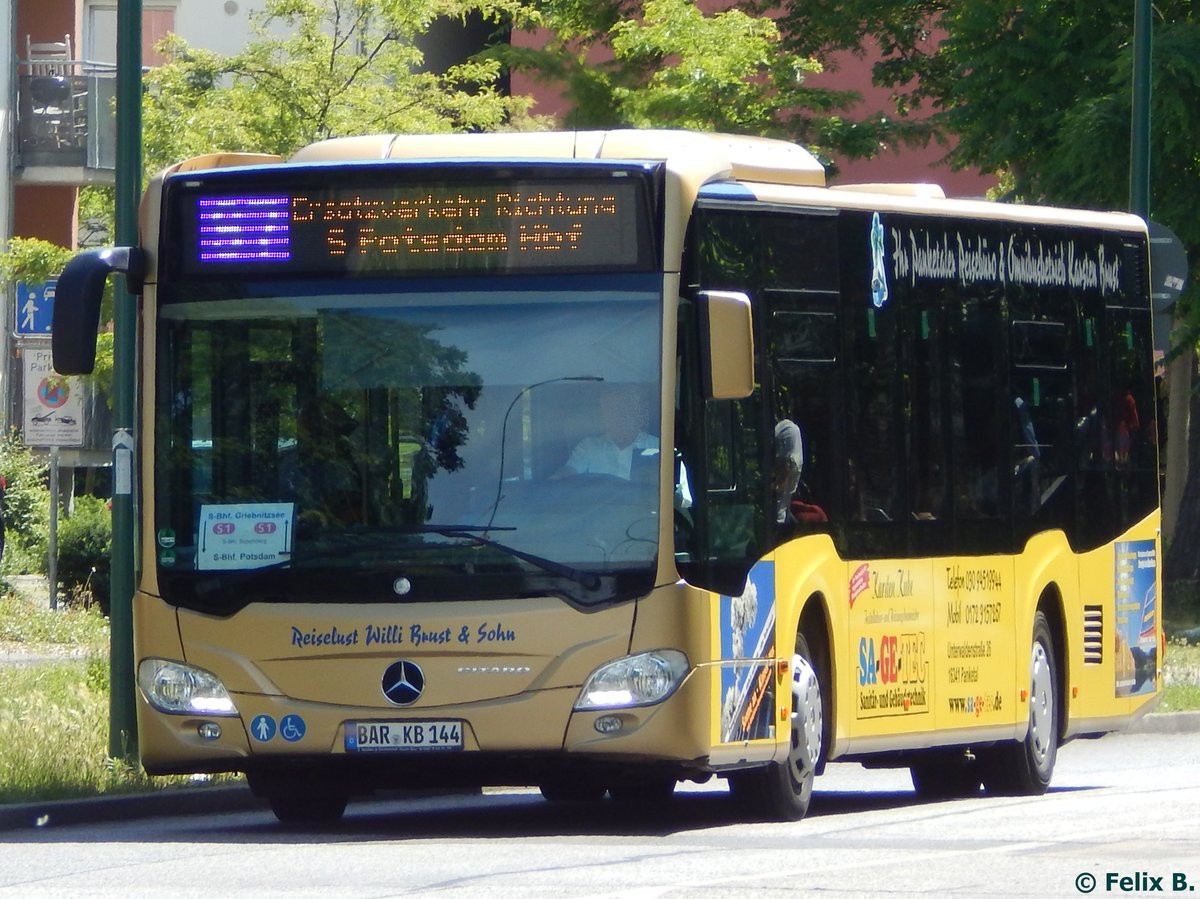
1041 705
806 720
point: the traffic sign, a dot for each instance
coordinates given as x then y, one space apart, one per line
54 409
35 308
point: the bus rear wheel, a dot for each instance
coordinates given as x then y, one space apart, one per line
782 791
644 790
572 789
1024 768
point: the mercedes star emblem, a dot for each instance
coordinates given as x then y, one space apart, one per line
403 682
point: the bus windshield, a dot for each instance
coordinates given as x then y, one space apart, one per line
434 441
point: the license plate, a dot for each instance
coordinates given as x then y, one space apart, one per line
403 736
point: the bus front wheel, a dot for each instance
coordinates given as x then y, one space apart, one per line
1024 768
308 810
782 791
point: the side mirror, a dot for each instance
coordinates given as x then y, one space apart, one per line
727 331
77 304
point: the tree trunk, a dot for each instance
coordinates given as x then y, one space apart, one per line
1183 556
1179 394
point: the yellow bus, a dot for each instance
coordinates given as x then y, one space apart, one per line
603 461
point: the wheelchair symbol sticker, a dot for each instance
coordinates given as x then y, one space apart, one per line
291 728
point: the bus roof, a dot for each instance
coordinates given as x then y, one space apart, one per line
770 170
708 156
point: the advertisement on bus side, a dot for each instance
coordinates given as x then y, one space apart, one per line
1136 569
747 635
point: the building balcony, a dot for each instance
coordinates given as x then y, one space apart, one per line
67 126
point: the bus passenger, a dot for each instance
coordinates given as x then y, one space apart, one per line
789 463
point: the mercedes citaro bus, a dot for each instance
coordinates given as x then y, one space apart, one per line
602 461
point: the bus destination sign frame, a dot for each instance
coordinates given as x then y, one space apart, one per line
395 220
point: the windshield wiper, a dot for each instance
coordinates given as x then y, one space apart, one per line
589 580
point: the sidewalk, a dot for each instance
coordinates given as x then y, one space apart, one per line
33 587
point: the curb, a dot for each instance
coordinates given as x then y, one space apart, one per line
1166 723
165 803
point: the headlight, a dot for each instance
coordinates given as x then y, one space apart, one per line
642 679
179 689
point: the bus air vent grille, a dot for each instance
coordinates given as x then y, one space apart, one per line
1093 635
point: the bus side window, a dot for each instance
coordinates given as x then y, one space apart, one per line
1041 396
980 414
804 351
730 488
875 418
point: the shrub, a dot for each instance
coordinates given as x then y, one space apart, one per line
84 547
26 507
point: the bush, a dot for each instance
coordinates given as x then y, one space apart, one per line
26 507
84 548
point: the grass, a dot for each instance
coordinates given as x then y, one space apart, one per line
80 631
54 714
1181 678
53 730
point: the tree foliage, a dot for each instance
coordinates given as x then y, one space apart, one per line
668 63
1037 92
34 261
26 507
1041 93
318 69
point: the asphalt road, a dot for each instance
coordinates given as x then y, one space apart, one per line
1121 807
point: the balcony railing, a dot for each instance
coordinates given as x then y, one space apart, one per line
68 117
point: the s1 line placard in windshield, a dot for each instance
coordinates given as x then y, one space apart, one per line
418 225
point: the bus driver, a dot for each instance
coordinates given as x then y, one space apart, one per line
622 445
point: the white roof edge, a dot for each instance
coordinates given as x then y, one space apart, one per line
748 158
921 189
926 205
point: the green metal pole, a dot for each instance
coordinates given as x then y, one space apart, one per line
122 734
1139 156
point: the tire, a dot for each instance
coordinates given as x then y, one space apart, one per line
947 776
1025 767
648 790
308 811
782 791
572 789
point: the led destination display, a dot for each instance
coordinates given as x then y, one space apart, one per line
555 224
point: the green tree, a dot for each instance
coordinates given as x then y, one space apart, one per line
666 63
26 507
1040 93
33 261
318 69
